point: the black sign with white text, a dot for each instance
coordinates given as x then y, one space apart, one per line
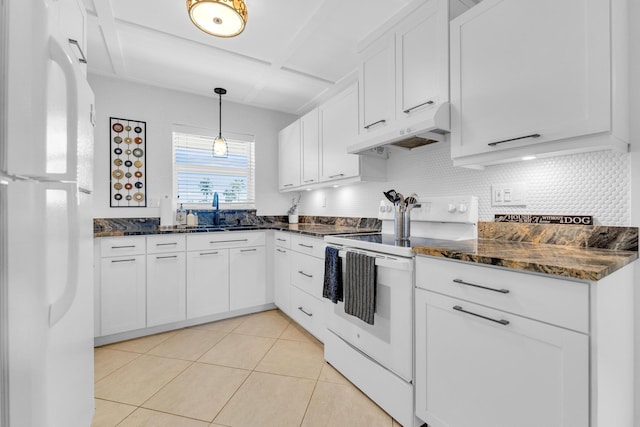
546 219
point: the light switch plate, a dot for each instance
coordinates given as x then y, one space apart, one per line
512 194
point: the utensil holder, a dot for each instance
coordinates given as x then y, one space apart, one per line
402 224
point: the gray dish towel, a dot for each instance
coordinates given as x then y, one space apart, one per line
332 288
360 286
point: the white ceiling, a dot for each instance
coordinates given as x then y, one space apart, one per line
290 55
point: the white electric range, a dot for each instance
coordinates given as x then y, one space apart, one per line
378 358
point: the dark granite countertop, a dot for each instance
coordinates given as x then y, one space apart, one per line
317 230
578 252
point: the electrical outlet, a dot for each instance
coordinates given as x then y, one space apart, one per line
324 201
514 194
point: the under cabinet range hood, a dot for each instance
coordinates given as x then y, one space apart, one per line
432 129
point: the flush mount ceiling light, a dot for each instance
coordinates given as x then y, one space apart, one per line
221 18
220 144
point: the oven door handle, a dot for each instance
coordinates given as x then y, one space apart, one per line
386 261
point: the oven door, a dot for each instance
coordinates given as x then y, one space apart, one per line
389 340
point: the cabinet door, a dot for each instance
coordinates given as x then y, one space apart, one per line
289 156
122 294
247 281
528 72
338 129
377 93
166 288
207 282
472 371
310 147
422 52
282 279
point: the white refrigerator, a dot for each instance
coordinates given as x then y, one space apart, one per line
46 170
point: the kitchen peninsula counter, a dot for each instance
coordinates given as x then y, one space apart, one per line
150 226
577 252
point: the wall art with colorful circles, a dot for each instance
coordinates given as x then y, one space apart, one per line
128 144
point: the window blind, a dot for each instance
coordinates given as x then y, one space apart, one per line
198 174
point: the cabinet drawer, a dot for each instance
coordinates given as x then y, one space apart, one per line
283 239
118 246
308 245
560 302
307 273
225 239
162 244
307 311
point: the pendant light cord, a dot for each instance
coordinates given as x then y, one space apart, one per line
220 117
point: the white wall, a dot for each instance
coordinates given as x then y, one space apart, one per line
160 109
595 184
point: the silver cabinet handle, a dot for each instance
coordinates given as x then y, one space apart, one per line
123 260
229 241
408 110
209 253
280 250
305 274
375 123
309 180
533 135
288 185
305 246
167 256
281 240
335 176
82 59
305 312
501 321
166 244
123 247
248 250
462 282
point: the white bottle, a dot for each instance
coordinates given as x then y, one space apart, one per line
191 219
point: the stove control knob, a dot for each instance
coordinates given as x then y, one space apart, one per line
462 208
451 208
382 208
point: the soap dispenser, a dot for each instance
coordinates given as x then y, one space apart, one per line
181 216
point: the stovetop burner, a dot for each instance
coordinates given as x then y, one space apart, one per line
380 242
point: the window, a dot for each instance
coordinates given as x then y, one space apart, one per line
198 175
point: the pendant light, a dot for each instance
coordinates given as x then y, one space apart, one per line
220 148
221 18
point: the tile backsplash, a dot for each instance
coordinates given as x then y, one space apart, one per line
596 184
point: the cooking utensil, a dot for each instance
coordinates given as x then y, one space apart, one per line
391 195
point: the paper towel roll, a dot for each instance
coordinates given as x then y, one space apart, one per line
166 212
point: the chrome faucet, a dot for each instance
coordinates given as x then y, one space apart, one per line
216 206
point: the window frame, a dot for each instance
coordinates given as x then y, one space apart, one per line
212 133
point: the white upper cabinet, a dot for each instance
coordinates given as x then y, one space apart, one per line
536 78
377 92
310 132
404 80
422 63
289 156
339 127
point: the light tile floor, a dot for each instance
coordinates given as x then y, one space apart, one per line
256 370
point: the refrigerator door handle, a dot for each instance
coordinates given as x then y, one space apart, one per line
60 56
61 306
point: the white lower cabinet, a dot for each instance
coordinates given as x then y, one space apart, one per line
282 272
496 347
207 282
474 371
122 294
247 277
308 312
166 293
306 275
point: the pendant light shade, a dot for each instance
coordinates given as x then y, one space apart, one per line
220 148
221 18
